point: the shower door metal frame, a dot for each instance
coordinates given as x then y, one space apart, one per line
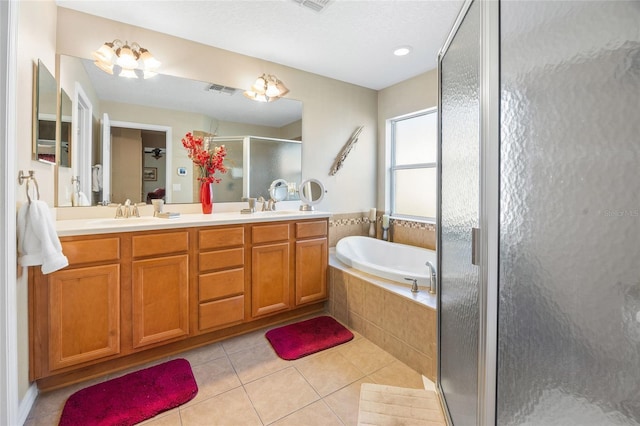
489 190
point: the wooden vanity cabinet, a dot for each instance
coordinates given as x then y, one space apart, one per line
75 313
312 254
131 297
221 277
271 265
159 287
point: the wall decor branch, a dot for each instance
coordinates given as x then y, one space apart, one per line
337 164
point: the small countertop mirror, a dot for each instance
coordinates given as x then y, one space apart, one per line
279 190
311 193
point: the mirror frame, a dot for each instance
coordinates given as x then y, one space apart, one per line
62 118
278 186
39 68
309 202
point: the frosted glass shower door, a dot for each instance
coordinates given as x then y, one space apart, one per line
569 291
458 215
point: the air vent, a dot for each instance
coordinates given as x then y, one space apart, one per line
223 90
315 5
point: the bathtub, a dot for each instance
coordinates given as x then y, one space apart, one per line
387 260
368 292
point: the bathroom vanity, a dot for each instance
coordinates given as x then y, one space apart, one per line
143 288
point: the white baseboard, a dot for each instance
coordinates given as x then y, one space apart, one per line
27 403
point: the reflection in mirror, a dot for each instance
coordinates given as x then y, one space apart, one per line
45 116
65 129
279 190
311 193
177 106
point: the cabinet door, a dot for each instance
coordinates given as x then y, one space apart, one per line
84 309
269 279
160 299
311 270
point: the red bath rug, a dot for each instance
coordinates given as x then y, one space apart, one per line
132 398
307 337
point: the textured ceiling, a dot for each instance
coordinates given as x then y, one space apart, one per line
349 40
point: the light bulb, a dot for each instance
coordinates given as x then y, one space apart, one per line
272 90
128 73
282 89
126 58
106 67
105 53
150 63
258 86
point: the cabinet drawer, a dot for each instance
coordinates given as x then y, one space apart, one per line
269 233
221 284
158 244
87 251
221 312
220 238
220 259
311 229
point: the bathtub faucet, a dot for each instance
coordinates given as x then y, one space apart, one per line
414 284
432 279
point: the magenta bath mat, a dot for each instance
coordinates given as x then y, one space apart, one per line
307 337
132 398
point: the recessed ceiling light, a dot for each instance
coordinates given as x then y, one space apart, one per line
402 51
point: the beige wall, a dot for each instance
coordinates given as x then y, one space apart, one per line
415 94
325 129
35 40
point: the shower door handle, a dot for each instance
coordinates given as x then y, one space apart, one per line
475 246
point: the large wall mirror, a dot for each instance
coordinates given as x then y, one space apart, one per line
128 132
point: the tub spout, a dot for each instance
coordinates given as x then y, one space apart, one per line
414 284
432 277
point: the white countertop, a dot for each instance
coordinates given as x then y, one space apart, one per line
71 227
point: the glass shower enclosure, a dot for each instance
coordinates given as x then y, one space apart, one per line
539 319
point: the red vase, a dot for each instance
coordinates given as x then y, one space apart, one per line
206 197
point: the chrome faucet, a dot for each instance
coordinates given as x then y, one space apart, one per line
269 205
119 211
432 279
127 208
414 284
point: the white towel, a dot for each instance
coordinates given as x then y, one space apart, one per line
96 178
38 243
83 201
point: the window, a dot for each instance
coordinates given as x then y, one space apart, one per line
414 141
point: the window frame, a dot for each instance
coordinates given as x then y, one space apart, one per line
414 166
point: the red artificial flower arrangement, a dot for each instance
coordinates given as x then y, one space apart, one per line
208 159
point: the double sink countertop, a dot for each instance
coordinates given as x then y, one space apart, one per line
88 226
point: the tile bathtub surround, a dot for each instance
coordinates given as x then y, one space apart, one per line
402 231
399 325
242 381
347 224
413 233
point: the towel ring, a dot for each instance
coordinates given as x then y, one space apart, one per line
29 178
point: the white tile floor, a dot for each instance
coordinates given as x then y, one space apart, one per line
242 381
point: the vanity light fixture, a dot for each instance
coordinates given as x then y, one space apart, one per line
124 59
267 88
